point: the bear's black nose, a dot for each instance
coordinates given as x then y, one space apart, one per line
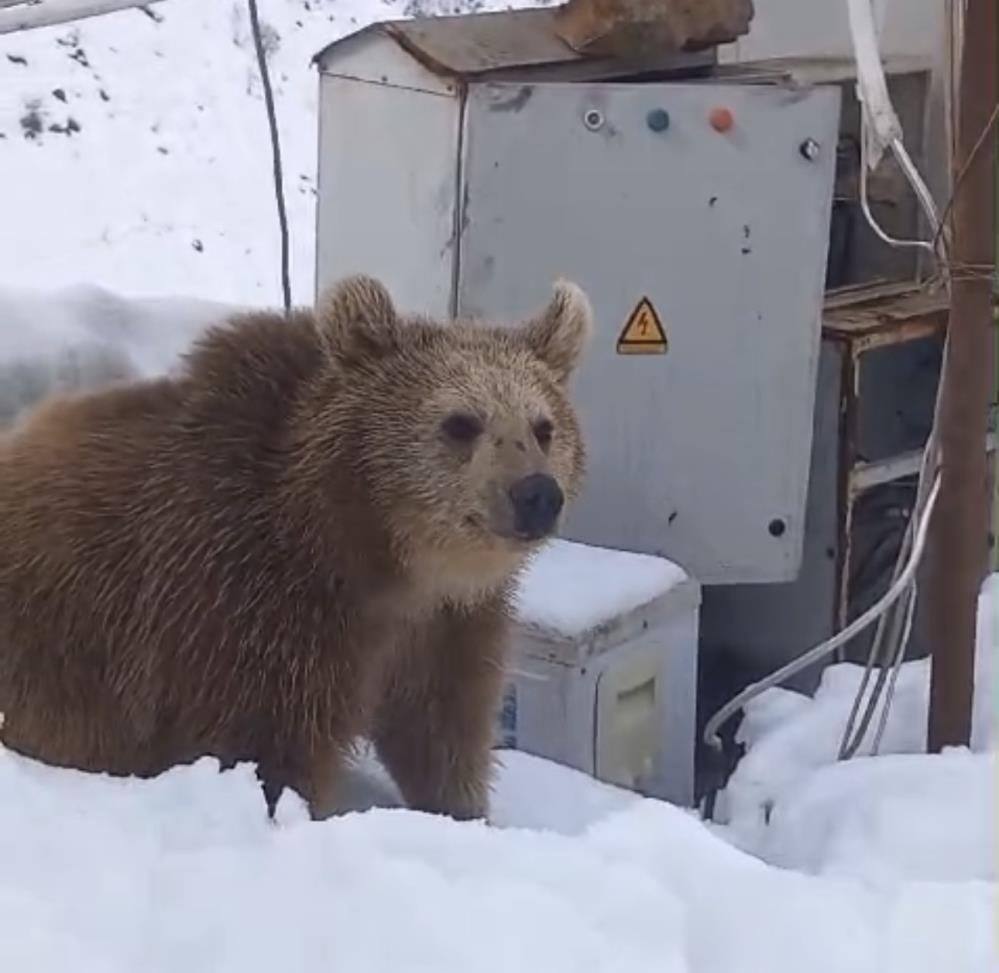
537 501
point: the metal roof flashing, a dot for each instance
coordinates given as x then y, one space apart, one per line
502 44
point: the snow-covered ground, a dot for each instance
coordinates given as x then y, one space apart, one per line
134 149
134 158
901 812
185 873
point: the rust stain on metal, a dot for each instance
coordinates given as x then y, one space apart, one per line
501 44
417 51
514 102
481 44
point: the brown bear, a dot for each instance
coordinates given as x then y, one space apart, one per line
306 537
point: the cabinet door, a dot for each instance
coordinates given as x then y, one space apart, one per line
698 444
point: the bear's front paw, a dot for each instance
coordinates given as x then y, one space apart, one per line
459 809
469 814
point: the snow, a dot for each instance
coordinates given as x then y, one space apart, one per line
135 153
137 163
184 872
902 813
569 589
860 817
78 338
880 865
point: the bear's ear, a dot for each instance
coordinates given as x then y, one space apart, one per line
357 320
559 334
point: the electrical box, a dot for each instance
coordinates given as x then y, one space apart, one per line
877 378
605 668
469 161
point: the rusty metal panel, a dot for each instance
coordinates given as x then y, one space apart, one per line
636 28
466 46
521 42
470 45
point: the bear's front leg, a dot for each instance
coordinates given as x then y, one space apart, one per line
434 731
314 774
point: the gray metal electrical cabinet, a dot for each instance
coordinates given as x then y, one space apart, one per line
470 161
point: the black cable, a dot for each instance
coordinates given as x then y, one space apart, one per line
276 152
865 585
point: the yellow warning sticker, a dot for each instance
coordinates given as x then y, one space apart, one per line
643 332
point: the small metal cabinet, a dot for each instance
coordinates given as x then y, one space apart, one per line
470 161
613 694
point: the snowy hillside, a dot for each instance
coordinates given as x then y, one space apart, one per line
134 150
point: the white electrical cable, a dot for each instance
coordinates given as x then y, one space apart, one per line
872 87
880 126
876 610
917 183
891 637
851 741
865 205
881 129
896 668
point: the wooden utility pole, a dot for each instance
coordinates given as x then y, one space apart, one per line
959 549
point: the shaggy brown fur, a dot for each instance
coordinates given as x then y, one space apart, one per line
303 539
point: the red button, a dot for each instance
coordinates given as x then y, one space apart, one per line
721 119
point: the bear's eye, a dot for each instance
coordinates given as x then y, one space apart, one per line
462 428
543 432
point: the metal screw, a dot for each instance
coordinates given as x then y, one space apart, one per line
809 149
657 119
593 119
777 527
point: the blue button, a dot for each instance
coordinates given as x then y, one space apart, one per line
657 119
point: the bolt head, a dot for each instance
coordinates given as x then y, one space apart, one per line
809 149
657 119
